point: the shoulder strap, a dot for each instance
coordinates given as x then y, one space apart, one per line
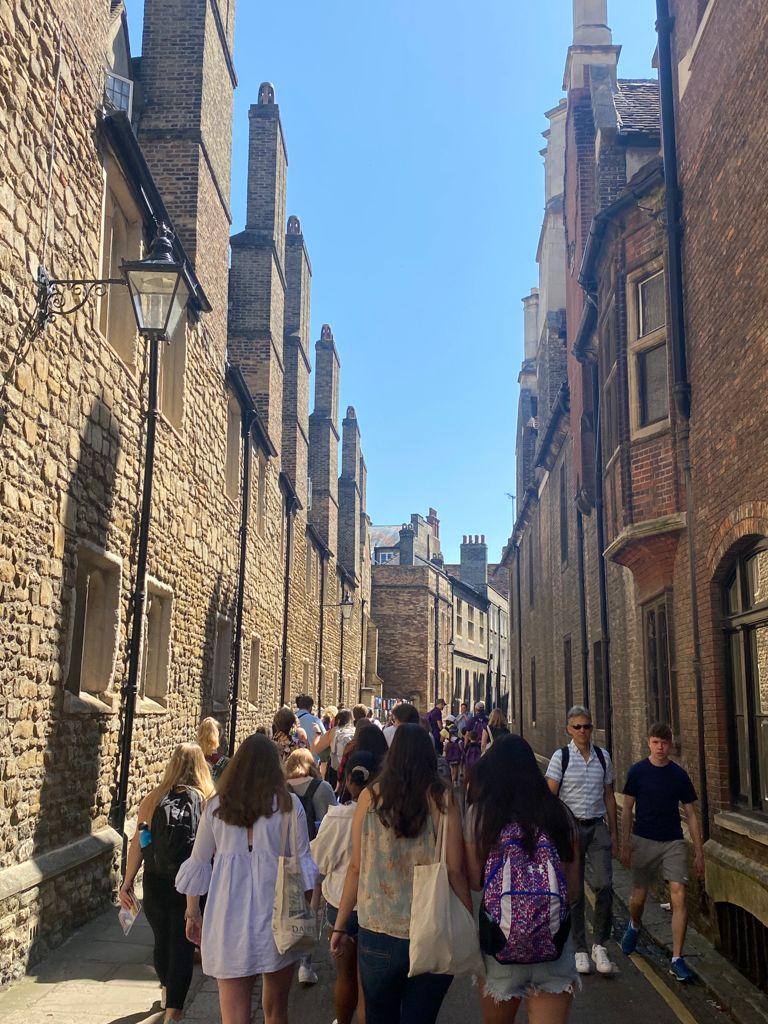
312 788
601 759
565 756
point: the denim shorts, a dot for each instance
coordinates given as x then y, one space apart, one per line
352 926
516 981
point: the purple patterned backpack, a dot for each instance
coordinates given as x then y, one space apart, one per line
524 916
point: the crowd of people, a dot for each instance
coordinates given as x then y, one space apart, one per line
341 810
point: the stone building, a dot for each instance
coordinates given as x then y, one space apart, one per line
100 150
640 539
443 629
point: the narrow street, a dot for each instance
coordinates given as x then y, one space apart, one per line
101 977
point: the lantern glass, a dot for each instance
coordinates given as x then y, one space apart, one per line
346 608
158 295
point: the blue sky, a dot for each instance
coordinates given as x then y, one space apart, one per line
413 133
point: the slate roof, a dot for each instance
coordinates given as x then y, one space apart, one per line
638 107
384 536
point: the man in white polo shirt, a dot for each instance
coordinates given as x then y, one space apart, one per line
581 774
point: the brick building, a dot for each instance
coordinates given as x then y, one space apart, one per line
640 541
101 149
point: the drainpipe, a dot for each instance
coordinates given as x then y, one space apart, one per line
363 603
519 640
437 640
582 611
290 511
681 388
341 652
323 557
244 518
605 633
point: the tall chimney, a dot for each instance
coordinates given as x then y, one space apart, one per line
531 328
257 277
474 562
296 367
324 441
590 23
349 494
406 545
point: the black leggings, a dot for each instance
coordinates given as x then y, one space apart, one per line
173 954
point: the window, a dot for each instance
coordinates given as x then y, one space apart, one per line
173 361
232 463
255 670
459 618
649 402
563 513
598 695
122 239
513 695
276 674
533 691
531 593
746 626
222 659
309 583
118 92
609 382
470 623
261 492
458 684
305 676
658 672
96 619
482 628
568 673
156 642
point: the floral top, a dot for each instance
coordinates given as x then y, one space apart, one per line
386 875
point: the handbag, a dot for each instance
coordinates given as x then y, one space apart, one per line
443 936
294 926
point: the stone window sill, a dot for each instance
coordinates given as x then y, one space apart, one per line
147 706
89 704
743 825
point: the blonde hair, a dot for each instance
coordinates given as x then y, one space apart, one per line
498 719
187 769
208 733
331 711
301 764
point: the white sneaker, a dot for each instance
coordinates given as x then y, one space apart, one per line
583 965
307 976
163 993
602 961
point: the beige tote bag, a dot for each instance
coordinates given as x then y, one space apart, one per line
443 936
293 921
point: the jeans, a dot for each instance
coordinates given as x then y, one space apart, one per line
173 954
595 860
391 997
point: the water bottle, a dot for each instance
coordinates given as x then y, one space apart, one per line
145 835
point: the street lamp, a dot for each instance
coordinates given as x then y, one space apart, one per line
158 299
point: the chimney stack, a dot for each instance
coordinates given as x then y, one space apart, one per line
324 441
590 23
407 541
349 494
474 562
531 329
296 367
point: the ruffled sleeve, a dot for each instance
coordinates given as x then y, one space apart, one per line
194 876
303 852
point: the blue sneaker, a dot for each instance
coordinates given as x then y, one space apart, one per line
680 970
629 940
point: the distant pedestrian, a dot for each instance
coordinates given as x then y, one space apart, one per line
473 737
402 714
522 851
453 751
582 775
435 720
462 719
497 726
242 825
368 738
287 733
332 851
209 740
317 798
335 740
307 721
359 711
394 829
654 845
168 821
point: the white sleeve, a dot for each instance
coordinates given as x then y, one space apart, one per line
194 876
555 769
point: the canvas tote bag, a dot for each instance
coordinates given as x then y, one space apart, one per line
293 921
443 936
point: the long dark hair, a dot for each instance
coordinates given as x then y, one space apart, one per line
250 782
409 778
371 739
507 786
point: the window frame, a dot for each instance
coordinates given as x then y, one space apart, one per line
638 345
254 677
661 603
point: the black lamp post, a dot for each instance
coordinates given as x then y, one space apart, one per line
158 298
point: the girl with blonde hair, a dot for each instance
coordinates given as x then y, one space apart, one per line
168 817
209 738
496 728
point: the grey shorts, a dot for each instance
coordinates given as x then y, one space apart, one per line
651 858
517 981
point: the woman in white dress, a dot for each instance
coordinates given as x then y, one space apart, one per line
241 832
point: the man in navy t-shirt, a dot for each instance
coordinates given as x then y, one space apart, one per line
655 789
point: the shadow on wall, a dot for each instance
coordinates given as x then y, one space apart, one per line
69 791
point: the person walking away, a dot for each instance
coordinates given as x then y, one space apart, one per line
519 836
654 845
243 826
582 775
359 711
473 737
287 733
453 751
306 720
209 740
367 737
328 717
435 720
402 714
335 740
394 829
497 726
316 798
170 815
332 852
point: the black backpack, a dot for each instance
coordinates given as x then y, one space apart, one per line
174 827
307 804
566 757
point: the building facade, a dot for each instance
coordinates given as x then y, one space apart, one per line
101 150
640 540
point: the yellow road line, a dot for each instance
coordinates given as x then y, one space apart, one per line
682 1013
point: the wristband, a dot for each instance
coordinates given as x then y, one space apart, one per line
339 931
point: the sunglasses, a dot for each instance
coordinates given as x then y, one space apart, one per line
586 727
